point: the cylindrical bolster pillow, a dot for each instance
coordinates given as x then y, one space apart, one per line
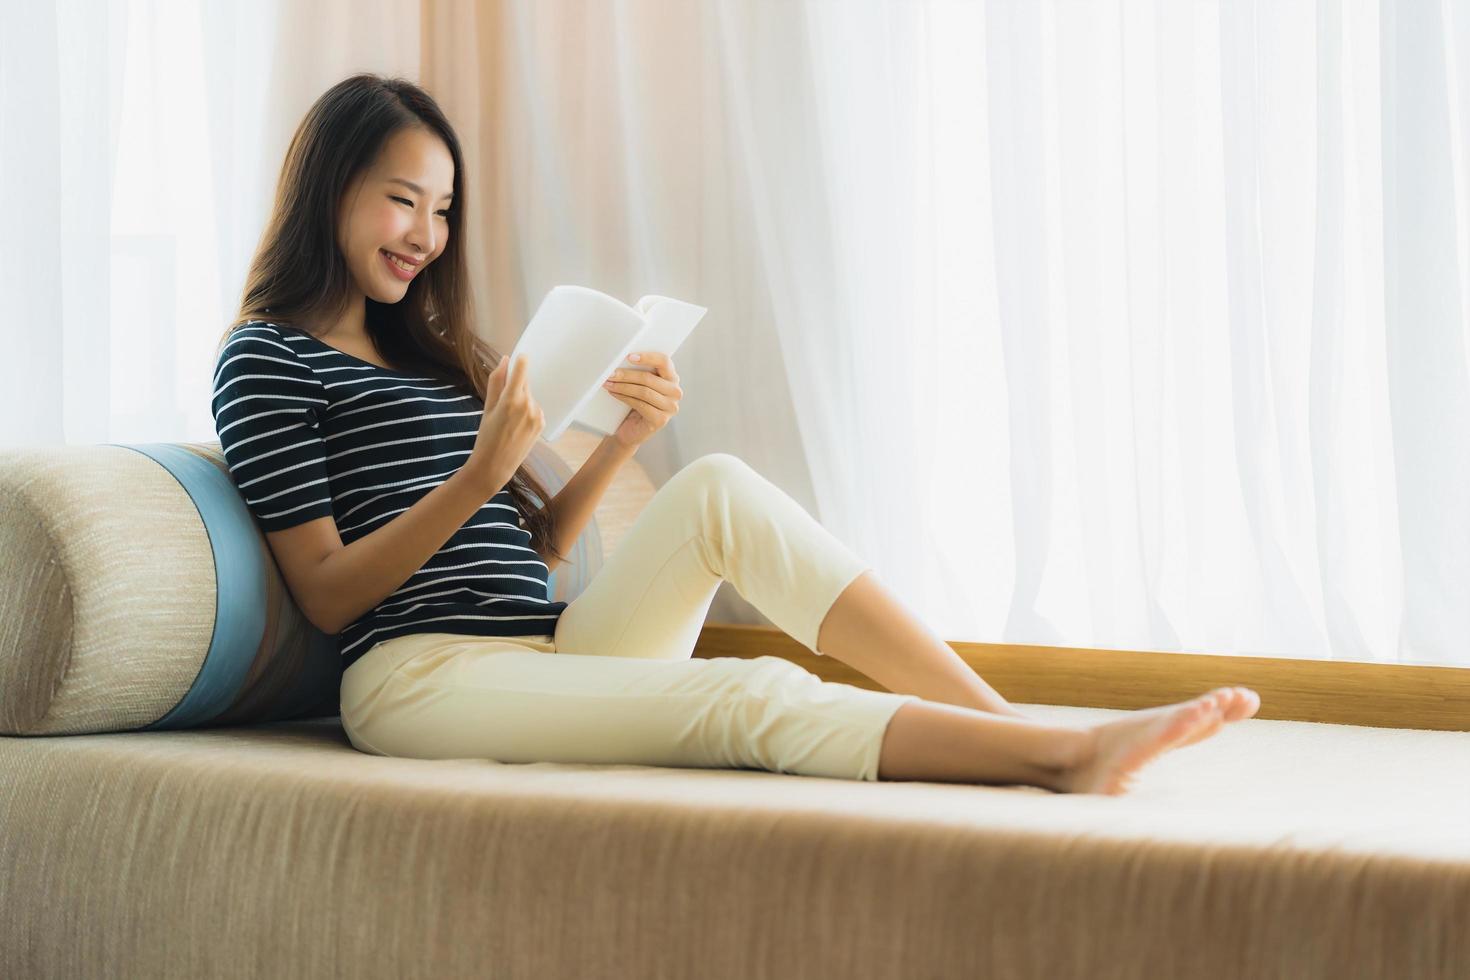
137 592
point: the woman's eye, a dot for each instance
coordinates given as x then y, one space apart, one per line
410 204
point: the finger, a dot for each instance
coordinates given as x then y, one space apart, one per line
668 388
662 364
640 379
651 412
644 393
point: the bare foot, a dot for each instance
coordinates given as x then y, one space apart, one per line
1120 748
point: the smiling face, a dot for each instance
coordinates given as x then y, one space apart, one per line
381 213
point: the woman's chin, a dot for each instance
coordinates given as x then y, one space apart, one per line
388 294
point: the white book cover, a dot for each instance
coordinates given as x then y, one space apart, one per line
579 336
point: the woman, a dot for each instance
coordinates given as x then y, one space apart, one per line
383 456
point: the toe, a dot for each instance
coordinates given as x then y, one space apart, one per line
1250 701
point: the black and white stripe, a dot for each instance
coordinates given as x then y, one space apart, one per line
309 432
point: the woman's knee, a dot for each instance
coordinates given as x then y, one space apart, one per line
770 674
718 484
756 681
717 467
721 472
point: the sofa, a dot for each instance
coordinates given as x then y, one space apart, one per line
178 799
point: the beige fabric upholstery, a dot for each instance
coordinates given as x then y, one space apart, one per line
1275 849
105 556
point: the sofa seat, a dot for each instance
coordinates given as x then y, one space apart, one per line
1274 849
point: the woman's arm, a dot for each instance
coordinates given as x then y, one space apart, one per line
574 505
336 584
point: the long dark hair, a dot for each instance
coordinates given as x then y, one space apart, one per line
300 276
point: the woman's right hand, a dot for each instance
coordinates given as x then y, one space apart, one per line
509 426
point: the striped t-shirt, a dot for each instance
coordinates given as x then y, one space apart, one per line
309 431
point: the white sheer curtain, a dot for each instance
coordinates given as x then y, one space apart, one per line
1137 325
140 142
1164 304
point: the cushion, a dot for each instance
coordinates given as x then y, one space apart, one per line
139 593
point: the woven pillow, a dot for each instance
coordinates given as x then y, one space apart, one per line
138 593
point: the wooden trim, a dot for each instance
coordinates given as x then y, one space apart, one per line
1338 692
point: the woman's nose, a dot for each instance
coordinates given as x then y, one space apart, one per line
423 235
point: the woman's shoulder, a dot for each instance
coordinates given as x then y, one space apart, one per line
260 349
260 334
265 327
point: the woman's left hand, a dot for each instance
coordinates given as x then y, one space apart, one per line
654 396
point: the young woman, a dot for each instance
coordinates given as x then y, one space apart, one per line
381 446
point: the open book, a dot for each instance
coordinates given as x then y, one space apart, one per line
576 340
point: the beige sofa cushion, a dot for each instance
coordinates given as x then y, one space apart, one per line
1275 849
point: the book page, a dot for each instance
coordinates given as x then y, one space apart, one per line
575 340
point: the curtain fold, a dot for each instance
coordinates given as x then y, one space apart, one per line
1425 328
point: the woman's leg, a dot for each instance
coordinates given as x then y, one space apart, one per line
516 700
519 700
718 520
734 524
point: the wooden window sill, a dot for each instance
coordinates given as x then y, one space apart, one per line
1339 692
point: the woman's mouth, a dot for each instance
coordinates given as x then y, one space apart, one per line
398 267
